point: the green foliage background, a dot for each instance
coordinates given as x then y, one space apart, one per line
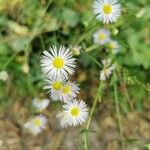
27 27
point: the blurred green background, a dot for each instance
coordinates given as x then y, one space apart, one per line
27 27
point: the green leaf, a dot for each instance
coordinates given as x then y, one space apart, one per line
4 49
70 17
19 44
87 18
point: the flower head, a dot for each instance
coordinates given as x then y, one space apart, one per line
114 46
101 36
55 87
75 113
75 50
107 69
36 125
107 11
63 119
40 104
58 62
3 75
69 91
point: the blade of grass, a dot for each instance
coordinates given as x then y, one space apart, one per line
117 108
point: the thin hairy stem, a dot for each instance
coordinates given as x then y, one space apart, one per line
91 115
9 60
93 59
117 109
42 42
86 140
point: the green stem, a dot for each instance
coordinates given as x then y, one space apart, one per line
93 59
117 109
42 42
91 48
91 115
9 61
86 140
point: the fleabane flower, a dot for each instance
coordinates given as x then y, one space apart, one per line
75 50
107 69
58 62
55 87
40 104
69 91
114 46
107 11
75 113
3 75
36 125
63 119
101 36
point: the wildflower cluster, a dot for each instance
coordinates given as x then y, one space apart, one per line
107 11
102 37
38 123
58 65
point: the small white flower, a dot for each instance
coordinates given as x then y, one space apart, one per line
62 90
63 119
75 113
58 62
40 104
107 11
36 125
55 87
114 46
3 75
70 91
107 69
75 50
101 36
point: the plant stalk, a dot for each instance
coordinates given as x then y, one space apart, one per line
91 115
117 109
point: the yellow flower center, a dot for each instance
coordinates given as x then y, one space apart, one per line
106 71
58 62
37 122
75 111
112 46
57 85
107 9
102 36
66 89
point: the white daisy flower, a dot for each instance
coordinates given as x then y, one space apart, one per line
36 125
114 46
107 69
55 87
107 11
101 36
76 113
58 62
75 50
3 75
70 91
63 119
40 104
